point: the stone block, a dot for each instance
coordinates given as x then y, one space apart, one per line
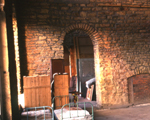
86 9
83 14
64 8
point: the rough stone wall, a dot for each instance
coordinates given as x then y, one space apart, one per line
120 29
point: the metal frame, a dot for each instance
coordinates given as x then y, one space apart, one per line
72 104
77 105
63 96
41 107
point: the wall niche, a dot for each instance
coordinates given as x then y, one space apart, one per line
139 89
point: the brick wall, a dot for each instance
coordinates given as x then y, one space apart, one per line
119 32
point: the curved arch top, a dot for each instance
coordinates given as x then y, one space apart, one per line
93 34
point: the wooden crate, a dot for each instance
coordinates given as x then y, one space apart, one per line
61 87
37 91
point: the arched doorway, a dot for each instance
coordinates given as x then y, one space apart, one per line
96 41
81 59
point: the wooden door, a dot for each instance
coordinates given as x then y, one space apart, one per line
57 66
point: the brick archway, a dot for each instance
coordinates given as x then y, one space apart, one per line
96 39
139 87
93 34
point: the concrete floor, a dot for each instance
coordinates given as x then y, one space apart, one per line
130 113
137 112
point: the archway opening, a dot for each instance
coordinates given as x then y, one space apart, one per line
79 63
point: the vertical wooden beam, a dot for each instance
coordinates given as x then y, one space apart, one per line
75 57
77 48
12 61
130 91
4 67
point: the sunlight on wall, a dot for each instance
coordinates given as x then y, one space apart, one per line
97 75
15 32
21 100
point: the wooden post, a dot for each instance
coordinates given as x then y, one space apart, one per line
12 61
4 71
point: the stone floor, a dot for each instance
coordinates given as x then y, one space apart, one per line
135 112
140 112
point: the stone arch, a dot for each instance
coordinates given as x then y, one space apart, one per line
130 74
93 34
138 70
138 74
96 39
142 70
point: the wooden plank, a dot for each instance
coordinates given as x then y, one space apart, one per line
41 96
63 100
75 57
77 48
25 91
44 86
34 92
61 87
65 92
48 91
29 91
49 102
46 80
37 91
57 82
61 81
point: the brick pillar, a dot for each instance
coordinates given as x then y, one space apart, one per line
4 68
